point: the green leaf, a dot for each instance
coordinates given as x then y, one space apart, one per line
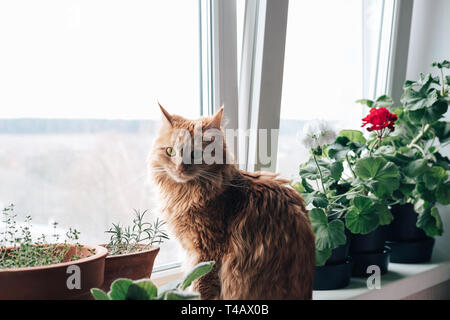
416 168
422 98
309 170
148 286
299 187
379 175
384 214
342 146
428 115
318 199
440 65
425 193
434 176
362 217
181 295
119 289
307 186
99 294
322 256
442 130
336 169
365 102
406 189
430 221
353 136
443 193
135 292
199 271
329 235
329 170
383 101
171 286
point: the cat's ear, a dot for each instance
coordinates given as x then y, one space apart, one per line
216 119
165 116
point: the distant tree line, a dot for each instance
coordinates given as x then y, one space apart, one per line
52 126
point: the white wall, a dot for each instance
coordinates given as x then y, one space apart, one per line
429 42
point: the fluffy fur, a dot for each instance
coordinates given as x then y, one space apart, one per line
252 224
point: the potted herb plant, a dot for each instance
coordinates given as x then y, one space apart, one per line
132 249
423 171
42 269
145 289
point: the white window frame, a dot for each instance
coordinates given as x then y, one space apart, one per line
392 50
261 78
256 103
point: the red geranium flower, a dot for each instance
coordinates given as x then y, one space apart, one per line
380 119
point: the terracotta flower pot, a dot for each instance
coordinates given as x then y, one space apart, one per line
51 282
134 266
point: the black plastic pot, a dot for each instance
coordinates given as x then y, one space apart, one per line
363 260
412 251
371 242
331 277
403 227
340 254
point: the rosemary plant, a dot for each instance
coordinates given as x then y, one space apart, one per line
140 236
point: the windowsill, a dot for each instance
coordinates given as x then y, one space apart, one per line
401 281
161 278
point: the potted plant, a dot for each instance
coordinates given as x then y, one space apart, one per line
46 270
424 171
374 179
132 249
349 202
144 289
327 206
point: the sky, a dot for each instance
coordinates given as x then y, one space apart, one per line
115 59
98 58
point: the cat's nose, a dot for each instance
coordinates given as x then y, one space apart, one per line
180 169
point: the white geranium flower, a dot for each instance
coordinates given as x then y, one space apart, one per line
316 133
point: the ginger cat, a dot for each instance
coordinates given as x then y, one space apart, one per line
252 225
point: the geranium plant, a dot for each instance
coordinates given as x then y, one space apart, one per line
352 184
415 147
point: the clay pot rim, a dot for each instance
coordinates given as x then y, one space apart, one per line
118 256
100 252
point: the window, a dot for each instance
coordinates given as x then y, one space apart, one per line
79 82
332 51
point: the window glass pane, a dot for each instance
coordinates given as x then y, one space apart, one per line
323 72
79 81
240 19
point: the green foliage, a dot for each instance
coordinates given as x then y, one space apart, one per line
329 234
381 102
125 289
322 256
420 134
357 178
379 176
25 251
430 221
131 238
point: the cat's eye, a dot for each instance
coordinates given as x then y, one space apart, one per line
170 151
